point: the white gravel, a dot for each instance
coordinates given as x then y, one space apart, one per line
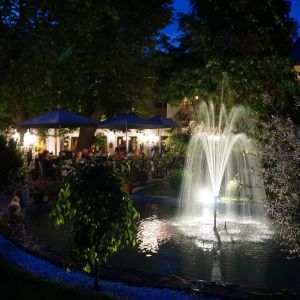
45 269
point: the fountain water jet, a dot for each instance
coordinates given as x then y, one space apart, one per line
221 166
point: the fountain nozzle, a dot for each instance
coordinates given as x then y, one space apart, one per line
215 212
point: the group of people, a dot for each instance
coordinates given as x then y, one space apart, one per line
81 155
50 165
51 168
120 153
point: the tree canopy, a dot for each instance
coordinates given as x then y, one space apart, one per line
239 29
89 56
248 43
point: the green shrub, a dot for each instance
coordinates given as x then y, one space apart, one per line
138 169
281 155
175 179
12 164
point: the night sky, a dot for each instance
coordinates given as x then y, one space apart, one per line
183 6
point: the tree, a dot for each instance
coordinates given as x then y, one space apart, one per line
89 56
111 50
249 42
232 29
102 215
281 156
25 62
267 85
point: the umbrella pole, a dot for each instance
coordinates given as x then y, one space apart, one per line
60 144
126 140
56 142
159 141
60 150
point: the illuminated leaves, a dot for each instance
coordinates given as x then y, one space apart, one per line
102 215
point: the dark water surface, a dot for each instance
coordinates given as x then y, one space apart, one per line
164 247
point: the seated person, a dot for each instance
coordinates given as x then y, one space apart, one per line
119 153
29 156
78 156
85 154
137 151
50 169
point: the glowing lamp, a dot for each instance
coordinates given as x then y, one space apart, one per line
155 138
205 197
16 136
142 138
29 139
111 136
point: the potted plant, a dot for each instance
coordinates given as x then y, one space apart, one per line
124 168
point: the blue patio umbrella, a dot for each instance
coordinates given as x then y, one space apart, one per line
162 122
126 121
58 118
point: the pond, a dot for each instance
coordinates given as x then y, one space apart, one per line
249 256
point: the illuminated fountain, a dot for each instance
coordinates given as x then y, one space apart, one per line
222 185
221 167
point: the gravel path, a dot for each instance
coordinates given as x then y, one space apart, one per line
45 269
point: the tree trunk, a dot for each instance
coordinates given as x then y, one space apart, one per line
20 114
86 134
20 117
96 277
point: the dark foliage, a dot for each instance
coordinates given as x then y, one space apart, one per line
282 177
12 164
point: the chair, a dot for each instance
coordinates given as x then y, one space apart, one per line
42 173
47 184
43 177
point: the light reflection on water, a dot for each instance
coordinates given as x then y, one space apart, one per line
243 252
229 231
247 253
152 233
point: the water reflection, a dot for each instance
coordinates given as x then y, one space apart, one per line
216 256
152 233
205 246
216 272
229 231
246 254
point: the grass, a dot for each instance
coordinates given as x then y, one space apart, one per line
17 284
161 188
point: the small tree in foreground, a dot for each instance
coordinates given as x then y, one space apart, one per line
102 215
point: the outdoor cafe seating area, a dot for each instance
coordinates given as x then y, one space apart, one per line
122 137
43 187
